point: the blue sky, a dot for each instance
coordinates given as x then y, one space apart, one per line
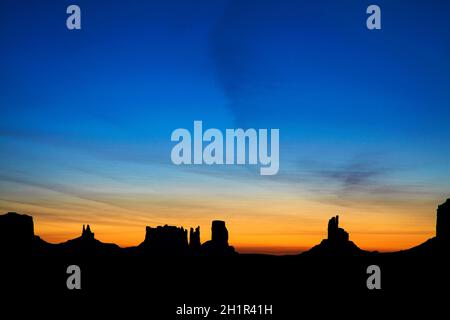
363 115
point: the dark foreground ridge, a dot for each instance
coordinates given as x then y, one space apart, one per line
172 267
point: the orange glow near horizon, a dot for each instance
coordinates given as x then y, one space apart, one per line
273 226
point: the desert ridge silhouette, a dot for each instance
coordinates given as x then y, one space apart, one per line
438 246
86 245
17 238
337 243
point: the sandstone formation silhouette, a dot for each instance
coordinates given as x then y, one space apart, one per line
336 234
16 234
85 246
165 240
440 244
218 245
337 243
173 241
443 222
194 239
87 233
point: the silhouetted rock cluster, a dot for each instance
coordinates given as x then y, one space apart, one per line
337 243
17 238
171 240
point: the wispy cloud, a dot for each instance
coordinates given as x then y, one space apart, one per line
354 175
360 180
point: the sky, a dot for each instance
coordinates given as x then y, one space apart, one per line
86 118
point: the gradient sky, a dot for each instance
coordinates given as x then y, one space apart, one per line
86 118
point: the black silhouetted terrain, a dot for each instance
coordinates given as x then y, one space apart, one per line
16 234
169 268
18 239
194 240
439 246
337 244
166 240
85 245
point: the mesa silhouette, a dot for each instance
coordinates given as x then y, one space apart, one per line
17 238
